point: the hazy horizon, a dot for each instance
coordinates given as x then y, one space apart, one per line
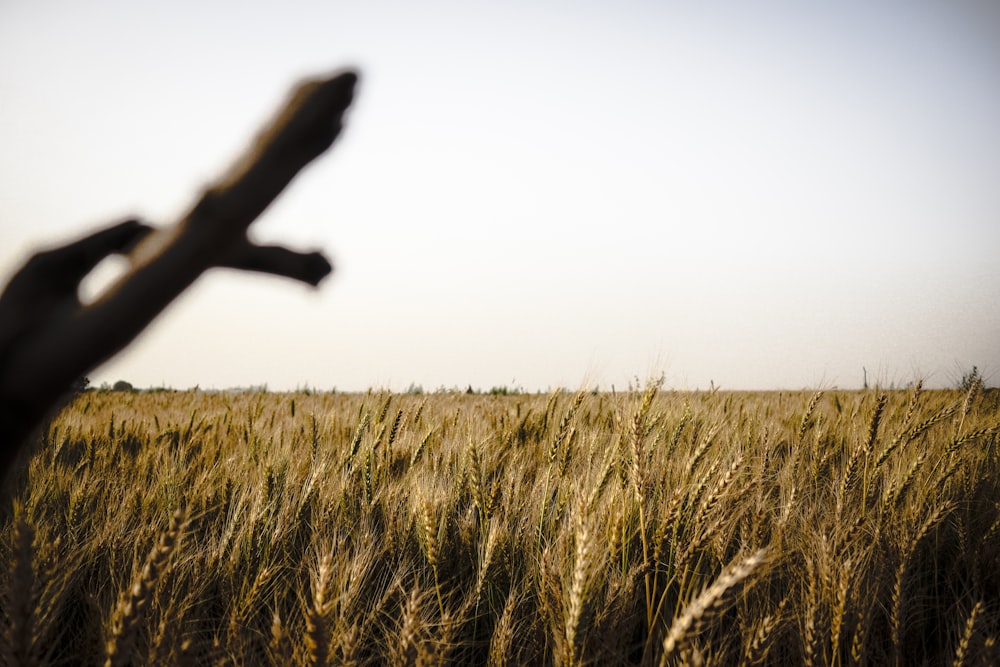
752 195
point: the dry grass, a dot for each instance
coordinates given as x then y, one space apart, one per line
656 527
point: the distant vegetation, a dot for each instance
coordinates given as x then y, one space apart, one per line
649 527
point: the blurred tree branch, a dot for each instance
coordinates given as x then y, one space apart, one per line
48 339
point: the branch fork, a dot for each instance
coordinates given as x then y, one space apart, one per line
48 338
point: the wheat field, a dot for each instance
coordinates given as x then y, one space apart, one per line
651 528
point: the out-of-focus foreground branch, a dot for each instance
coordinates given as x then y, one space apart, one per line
48 338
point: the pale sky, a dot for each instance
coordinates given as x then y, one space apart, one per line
539 194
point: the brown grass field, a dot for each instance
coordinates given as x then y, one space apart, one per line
647 528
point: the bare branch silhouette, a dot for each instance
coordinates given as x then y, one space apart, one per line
48 338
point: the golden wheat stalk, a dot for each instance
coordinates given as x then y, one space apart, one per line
807 415
898 489
21 611
975 384
859 637
561 441
502 638
478 488
962 650
763 637
168 646
348 646
279 648
394 430
131 609
407 646
898 615
606 472
809 617
926 424
876 420
840 606
359 434
713 500
911 410
578 590
852 474
712 600
317 638
971 436
419 451
486 551
675 439
429 530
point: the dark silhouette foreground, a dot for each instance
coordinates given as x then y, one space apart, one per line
48 339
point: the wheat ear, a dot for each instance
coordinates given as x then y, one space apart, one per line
577 590
712 600
429 528
406 650
898 612
962 651
279 647
132 608
317 626
503 634
859 637
763 637
21 600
